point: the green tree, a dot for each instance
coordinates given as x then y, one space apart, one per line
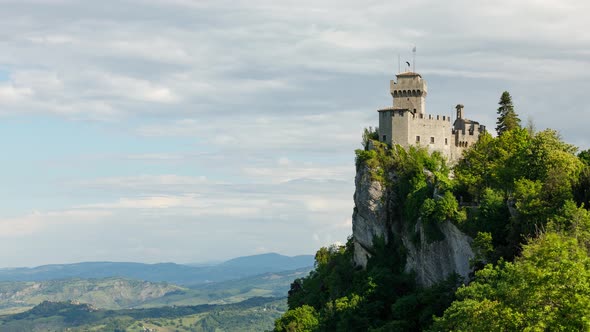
483 248
546 289
585 157
300 319
473 171
582 187
368 135
507 117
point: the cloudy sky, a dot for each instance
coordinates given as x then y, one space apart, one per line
187 131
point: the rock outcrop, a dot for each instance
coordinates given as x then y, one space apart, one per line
373 217
369 219
433 262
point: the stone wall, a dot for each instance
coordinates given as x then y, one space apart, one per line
403 128
434 132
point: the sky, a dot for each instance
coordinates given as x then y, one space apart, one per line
191 131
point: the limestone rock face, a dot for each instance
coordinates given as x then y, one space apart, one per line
432 262
369 216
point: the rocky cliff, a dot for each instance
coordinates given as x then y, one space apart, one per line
373 216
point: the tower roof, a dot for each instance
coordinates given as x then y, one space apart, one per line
408 74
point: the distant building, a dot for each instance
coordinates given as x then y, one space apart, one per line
406 122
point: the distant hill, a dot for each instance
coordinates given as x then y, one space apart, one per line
110 293
271 262
273 284
118 293
255 314
162 272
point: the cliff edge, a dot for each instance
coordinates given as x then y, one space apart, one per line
378 203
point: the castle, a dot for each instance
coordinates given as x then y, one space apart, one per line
406 122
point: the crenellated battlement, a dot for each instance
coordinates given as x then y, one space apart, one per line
478 129
431 117
409 92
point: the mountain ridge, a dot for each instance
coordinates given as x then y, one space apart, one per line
180 274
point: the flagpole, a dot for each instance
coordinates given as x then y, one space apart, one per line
414 60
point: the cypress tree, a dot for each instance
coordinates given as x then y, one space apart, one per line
507 117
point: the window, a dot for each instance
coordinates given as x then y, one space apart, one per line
446 141
431 140
417 139
384 138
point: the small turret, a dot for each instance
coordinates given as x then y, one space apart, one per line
459 108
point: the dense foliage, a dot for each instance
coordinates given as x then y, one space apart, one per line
337 297
522 196
546 289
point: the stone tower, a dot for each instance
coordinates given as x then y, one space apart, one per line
406 122
409 92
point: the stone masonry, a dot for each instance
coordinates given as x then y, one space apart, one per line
406 122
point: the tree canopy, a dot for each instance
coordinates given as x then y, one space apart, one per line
547 288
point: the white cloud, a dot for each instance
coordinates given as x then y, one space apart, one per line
144 181
260 102
10 94
287 173
336 131
41 221
327 204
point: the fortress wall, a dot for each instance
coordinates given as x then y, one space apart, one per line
400 125
431 127
467 137
461 141
385 126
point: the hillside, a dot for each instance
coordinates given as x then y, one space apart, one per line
162 272
271 262
118 293
256 314
110 293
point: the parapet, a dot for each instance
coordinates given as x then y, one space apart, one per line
408 84
396 111
432 117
